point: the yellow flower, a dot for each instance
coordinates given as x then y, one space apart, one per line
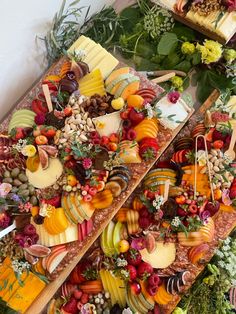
29 150
177 81
187 48
211 51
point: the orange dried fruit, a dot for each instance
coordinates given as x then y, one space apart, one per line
32 163
135 101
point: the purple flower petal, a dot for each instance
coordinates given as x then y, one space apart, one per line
138 244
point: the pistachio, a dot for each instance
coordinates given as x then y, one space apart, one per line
214 152
89 122
83 137
67 128
73 126
213 159
216 169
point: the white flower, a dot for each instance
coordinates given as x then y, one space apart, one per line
121 262
175 222
150 112
127 311
158 201
201 157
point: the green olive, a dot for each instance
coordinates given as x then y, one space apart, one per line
6 174
31 189
22 177
33 200
15 172
23 186
7 180
24 193
17 182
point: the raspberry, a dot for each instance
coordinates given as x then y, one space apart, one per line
152 290
131 135
144 222
78 294
29 230
154 280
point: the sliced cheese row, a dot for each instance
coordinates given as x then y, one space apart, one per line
95 55
225 28
69 235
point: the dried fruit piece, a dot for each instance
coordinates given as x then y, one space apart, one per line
32 163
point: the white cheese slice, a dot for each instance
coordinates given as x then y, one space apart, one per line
44 178
172 114
107 124
168 4
107 65
101 54
228 27
92 53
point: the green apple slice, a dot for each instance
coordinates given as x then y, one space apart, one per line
117 235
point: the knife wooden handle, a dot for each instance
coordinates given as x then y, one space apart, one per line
163 78
164 72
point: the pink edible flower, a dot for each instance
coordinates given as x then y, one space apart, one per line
87 163
138 244
173 97
5 188
25 207
230 4
39 119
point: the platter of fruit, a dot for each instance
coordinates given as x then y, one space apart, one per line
71 153
167 231
215 19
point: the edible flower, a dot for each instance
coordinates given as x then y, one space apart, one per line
5 188
87 163
211 51
201 158
173 97
229 55
138 244
29 150
187 48
177 82
230 4
25 207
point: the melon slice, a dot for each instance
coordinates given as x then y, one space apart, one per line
162 257
117 82
128 87
115 74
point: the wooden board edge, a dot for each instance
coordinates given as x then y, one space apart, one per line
46 295
198 28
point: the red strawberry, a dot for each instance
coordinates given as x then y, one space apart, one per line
154 280
144 270
71 306
84 299
135 116
148 153
48 131
132 272
54 201
232 193
134 257
18 133
78 274
38 106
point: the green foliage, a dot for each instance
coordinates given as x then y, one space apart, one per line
208 80
167 44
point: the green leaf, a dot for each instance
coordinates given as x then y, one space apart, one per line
184 33
171 61
167 43
130 16
184 66
196 58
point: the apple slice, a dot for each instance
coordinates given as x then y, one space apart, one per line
117 235
55 259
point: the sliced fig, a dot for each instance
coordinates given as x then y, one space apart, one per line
38 250
84 66
122 180
51 150
31 259
183 276
168 285
175 284
150 243
114 187
77 69
43 157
